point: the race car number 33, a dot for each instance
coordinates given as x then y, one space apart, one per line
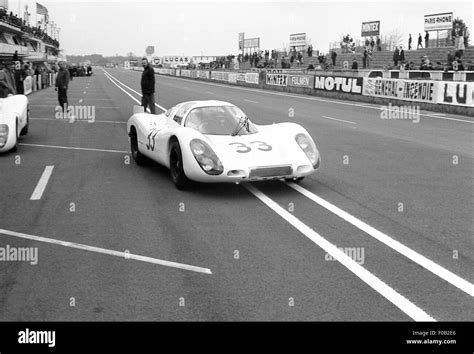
242 148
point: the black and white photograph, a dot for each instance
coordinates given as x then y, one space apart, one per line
279 175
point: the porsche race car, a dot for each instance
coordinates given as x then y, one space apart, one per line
214 141
14 121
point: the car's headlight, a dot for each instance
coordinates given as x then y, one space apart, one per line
206 157
307 145
3 135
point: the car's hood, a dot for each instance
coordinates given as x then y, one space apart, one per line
265 148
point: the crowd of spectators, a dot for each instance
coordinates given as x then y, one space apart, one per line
260 59
37 32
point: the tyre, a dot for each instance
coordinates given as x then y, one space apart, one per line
24 131
297 180
136 154
176 167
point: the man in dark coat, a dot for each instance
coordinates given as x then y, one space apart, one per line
333 58
396 56
401 56
62 83
148 86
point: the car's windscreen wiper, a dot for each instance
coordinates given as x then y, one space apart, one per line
243 122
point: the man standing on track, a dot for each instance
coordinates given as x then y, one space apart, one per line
62 82
148 86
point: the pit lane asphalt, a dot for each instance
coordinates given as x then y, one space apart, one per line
122 206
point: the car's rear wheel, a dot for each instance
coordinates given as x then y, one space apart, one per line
176 167
136 154
24 131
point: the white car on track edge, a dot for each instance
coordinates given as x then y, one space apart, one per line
14 120
214 141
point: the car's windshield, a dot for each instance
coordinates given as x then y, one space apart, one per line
219 120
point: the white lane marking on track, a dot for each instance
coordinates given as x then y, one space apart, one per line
426 263
212 93
125 255
84 92
80 101
52 105
339 120
74 148
133 98
138 93
42 183
305 98
246 100
96 121
375 283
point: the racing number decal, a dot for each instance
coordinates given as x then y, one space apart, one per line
262 146
151 138
245 147
242 148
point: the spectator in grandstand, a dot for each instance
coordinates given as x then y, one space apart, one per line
300 58
355 65
372 43
365 58
333 57
396 56
379 46
425 63
367 42
427 38
292 59
460 45
310 50
15 55
401 56
409 41
148 86
420 41
450 59
310 67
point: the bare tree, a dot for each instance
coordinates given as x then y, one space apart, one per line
394 38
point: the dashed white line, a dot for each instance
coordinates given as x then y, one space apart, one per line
43 181
246 100
426 263
375 283
339 120
73 148
124 255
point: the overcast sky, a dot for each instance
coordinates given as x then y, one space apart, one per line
212 27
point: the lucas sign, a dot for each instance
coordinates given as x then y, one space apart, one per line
438 22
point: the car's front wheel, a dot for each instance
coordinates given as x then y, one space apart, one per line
136 154
176 167
296 180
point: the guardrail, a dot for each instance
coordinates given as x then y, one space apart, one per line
438 95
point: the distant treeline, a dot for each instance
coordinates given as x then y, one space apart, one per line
99 59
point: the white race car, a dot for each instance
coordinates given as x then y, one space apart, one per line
214 141
13 121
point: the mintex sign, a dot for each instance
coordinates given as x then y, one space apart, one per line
438 22
371 28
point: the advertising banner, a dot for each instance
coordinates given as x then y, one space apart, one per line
251 78
176 60
202 74
339 84
300 81
252 43
232 78
456 93
220 75
371 28
277 79
410 90
297 40
438 22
